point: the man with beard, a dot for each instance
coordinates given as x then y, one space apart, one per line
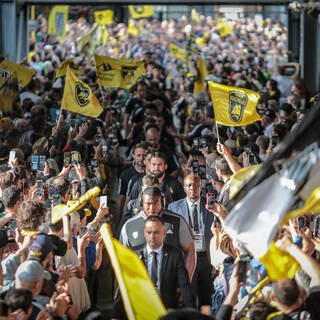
193 209
178 235
131 175
152 136
170 187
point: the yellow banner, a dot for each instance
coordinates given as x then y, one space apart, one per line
78 97
139 296
224 28
202 73
62 70
138 12
7 68
176 51
118 73
195 17
9 98
57 21
104 17
132 28
234 106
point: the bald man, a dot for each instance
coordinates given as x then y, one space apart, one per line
193 209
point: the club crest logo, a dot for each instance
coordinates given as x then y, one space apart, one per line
237 104
128 72
82 94
135 235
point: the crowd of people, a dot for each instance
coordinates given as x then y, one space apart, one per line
154 151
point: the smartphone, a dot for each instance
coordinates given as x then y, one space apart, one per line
195 166
39 188
202 172
301 224
242 273
58 112
179 148
75 157
72 125
12 156
203 143
67 159
196 143
94 163
103 201
211 199
56 199
34 162
42 162
316 232
104 148
82 231
98 140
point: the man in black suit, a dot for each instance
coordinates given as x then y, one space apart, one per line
193 209
165 266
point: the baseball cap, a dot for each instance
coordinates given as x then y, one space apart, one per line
40 247
32 270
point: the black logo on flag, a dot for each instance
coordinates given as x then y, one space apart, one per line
82 94
104 67
127 71
237 103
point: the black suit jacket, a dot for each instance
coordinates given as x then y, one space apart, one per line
173 275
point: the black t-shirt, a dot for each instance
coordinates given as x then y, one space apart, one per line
171 188
130 175
134 107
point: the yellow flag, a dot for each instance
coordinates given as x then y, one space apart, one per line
224 28
138 12
104 17
62 70
176 51
61 210
280 265
7 68
132 28
202 73
240 178
139 296
91 41
9 98
195 17
57 21
78 97
311 206
234 106
118 73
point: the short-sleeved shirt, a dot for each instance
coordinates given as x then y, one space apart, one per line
130 175
178 235
134 107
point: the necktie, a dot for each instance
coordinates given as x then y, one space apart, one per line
154 268
194 212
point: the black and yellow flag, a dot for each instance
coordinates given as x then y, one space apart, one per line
78 97
57 21
10 98
7 68
234 106
195 17
104 17
202 73
176 51
138 12
62 70
118 73
224 28
132 28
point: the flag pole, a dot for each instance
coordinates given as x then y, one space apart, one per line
218 137
101 91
